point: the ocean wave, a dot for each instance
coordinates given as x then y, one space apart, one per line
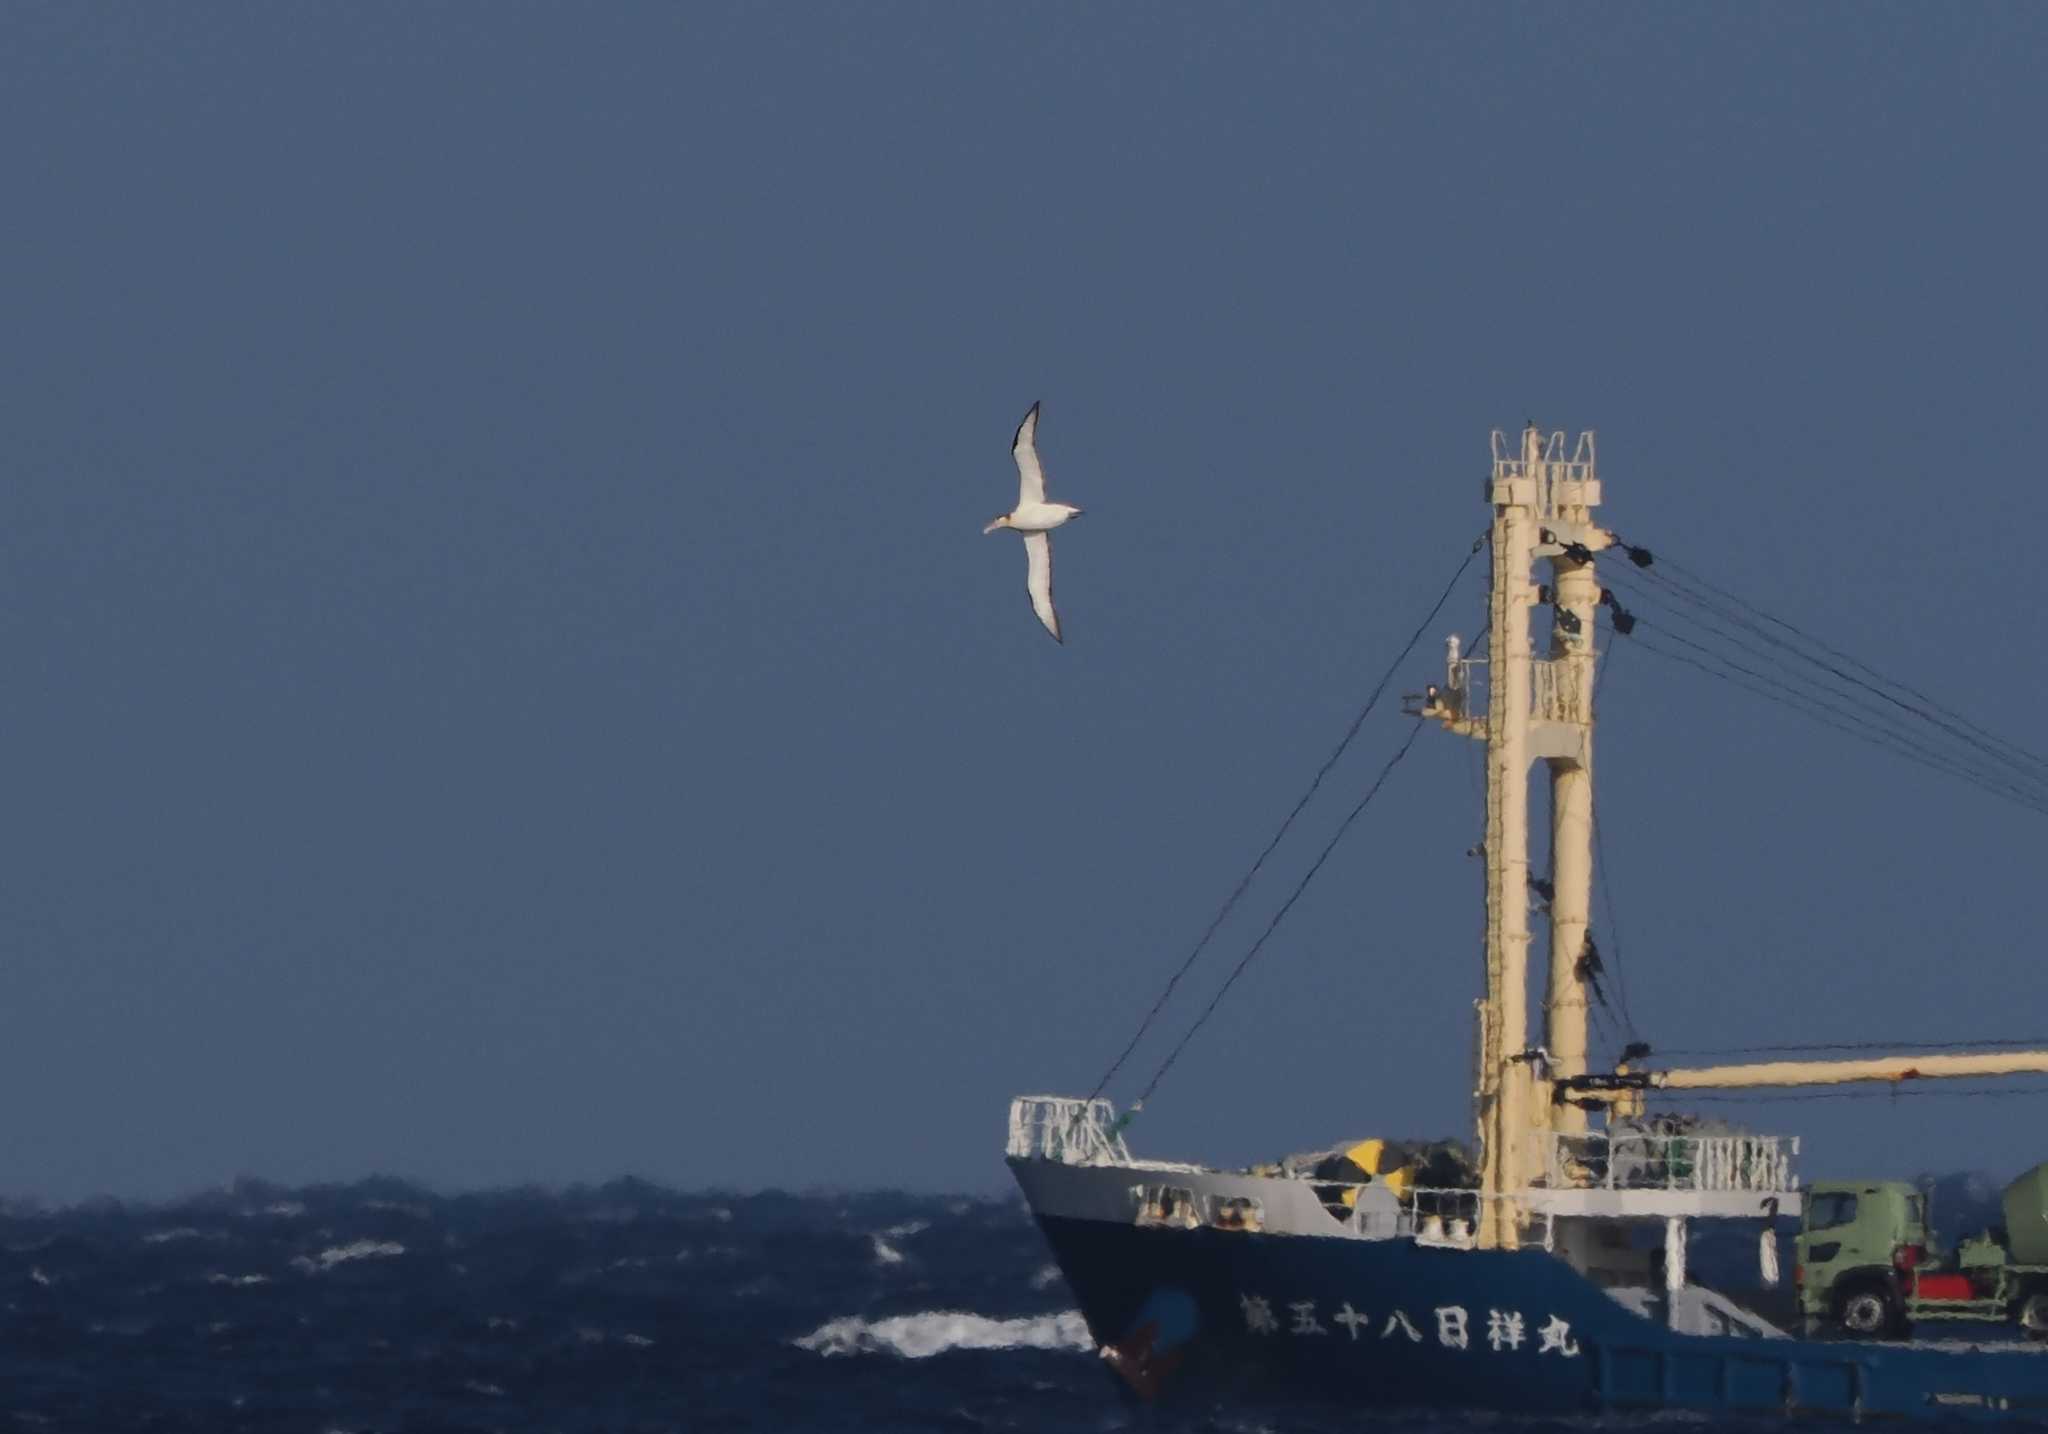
355 1250
920 1336
182 1232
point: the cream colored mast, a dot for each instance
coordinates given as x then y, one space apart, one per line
1575 595
1542 503
1504 1095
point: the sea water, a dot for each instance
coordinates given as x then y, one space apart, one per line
623 1307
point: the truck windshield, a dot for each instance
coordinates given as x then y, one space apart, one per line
1824 1212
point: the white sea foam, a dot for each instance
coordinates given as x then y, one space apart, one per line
921 1336
591 1335
710 1252
418 1212
1046 1278
183 1232
220 1279
886 1253
358 1250
908 1228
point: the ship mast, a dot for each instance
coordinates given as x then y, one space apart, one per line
1536 709
1541 709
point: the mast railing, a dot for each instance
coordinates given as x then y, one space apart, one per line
1601 1160
1547 466
1556 693
1070 1131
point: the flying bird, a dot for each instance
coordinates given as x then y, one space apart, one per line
1035 518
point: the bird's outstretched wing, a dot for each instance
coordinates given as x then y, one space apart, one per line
1038 549
1024 448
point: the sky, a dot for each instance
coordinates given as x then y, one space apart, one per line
504 682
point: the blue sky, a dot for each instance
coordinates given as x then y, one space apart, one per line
505 682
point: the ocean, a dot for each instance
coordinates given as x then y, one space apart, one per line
380 1306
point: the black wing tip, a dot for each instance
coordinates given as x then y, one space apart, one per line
1022 424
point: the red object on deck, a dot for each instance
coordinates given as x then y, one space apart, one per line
1944 1287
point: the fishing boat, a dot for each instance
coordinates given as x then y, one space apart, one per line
1544 1265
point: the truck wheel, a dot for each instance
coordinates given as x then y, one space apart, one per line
1871 1310
2034 1314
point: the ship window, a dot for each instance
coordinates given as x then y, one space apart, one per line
1236 1212
1824 1212
1170 1205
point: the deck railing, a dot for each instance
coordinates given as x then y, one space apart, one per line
1450 1219
1073 1132
1641 1161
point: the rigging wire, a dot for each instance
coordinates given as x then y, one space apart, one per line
1698 580
1244 882
1605 1025
1606 873
2027 766
2003 775
1860 730
1280 915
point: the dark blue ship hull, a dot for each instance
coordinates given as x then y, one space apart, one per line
1202 1314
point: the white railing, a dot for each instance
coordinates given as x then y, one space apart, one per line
1449 1219
1073 1132
1628 1160
1549 467
1556 693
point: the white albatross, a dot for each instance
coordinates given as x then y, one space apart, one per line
1034 518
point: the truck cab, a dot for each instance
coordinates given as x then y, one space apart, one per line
1858 1241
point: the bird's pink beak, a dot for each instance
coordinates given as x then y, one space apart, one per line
1002 522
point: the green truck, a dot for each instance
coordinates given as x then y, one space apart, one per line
1867 1261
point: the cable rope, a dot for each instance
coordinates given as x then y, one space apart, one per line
1279 916
1884 731
1606 1024
1244 883
2005 775
1861 730
2013 749
2029 766
1606 873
